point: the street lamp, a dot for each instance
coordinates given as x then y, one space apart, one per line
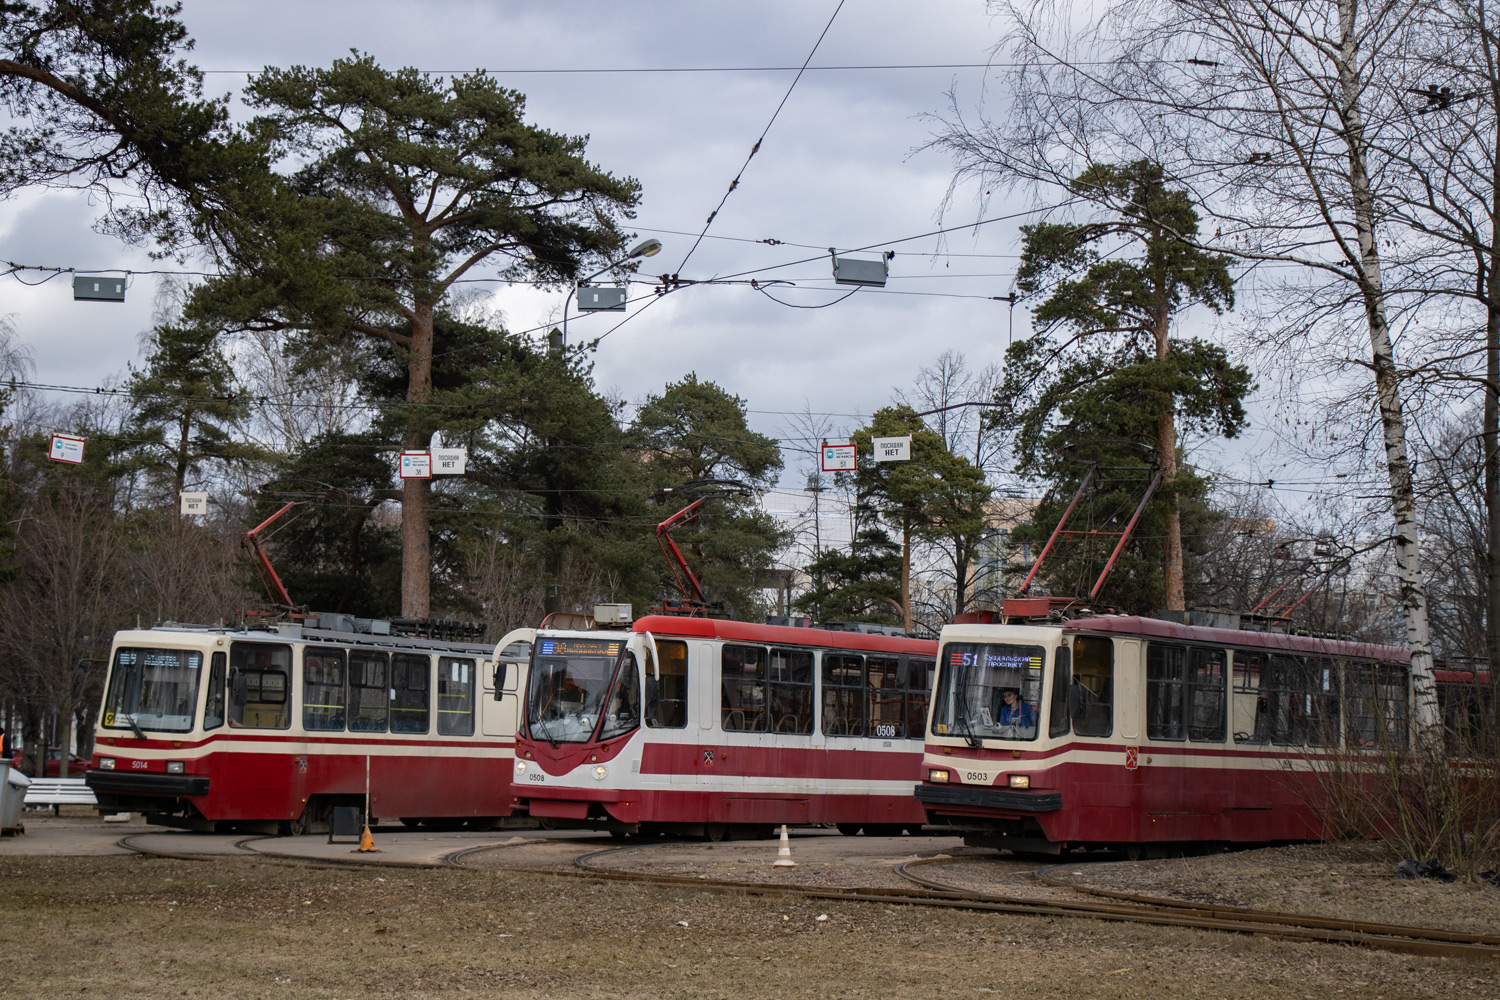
645 248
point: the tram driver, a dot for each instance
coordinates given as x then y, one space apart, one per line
1015 712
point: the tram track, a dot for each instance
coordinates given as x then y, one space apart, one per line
932 892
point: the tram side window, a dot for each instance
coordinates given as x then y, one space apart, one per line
791 678
213 711
1300 697
1062 682
1251 704
667 692
886 697
1166 683
455 697
743 688
258 685
1091 695
843 694
369 694
1375 705
1207 715
322 689
917 684
409 692
1468 706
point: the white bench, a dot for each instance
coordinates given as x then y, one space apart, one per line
56 792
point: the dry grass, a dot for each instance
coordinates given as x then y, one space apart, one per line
124 927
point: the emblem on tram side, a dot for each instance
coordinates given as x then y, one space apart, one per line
1132 758
708 758
301 764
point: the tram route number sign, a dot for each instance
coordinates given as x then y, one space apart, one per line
65 448
839 457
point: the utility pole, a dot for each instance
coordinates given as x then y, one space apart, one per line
552 515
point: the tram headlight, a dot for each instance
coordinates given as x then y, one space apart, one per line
938 776
600 772
1020 781
174 767
106 763
520 767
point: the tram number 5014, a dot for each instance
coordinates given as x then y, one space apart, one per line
885 729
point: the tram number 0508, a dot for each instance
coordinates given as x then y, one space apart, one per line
885 729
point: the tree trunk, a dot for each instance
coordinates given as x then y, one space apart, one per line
416 538
1166 457
906 572
1387 385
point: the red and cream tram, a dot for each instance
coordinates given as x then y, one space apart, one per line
1137 731
273 727
709 727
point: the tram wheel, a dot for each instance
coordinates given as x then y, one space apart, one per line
294 827
715 832
848 829
411 822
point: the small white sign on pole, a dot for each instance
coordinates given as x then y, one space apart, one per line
839 457
66 449
416 465
449 461
892 449
194 504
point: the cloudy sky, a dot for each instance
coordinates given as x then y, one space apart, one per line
841 167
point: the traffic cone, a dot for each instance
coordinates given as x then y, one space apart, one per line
784 852
367 842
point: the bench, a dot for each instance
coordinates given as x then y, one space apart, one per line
56 792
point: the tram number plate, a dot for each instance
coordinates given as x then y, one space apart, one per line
885 730
977 777
139 765
535 776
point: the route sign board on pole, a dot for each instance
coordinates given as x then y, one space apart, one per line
416 465
892 449
66 449
839 457
449 461
194 504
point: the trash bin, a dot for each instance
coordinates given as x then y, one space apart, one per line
13 786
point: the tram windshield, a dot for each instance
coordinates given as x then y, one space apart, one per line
988 691
154 689
566 687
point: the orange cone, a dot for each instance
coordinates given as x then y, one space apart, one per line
784 852
367 842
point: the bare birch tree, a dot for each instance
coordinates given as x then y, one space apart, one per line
1276 114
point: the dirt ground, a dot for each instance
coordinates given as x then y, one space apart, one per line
125 926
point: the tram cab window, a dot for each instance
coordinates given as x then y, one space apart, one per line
667 692
791 682
213 709
322 688
369 695
153 689
1091 695
455 697
843 694
988 691
259 675
1062 683
409 689
623 707
743 688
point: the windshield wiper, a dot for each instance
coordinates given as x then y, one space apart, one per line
135 727
961 679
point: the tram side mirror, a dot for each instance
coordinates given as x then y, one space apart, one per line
501 670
